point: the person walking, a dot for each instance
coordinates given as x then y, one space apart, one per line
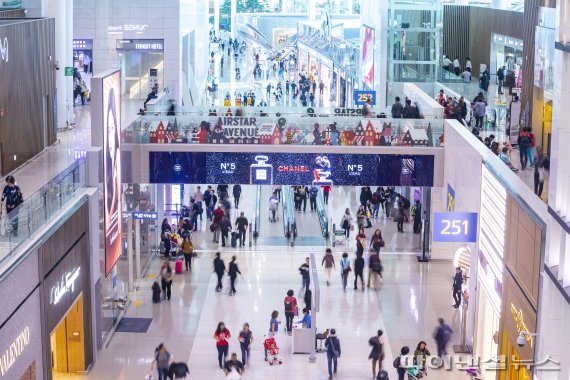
273 206
328 263
442 336
236 190
313 192
166 275
273 328
13 197
165 231
187 250
221 336
361 242
245 340
397 108
374 268
377 352
225 229
233 368
345 269
531 148
501 79
326 191
303 198
162 359
290 305
479 109
346 222
398 363
219 269
359 270
332 345
305 275
541 170
524 142
457 282
233 271
241 227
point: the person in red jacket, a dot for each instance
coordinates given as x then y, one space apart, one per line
218 215
290 303
326 191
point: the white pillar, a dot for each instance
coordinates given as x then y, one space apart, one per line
311 10
217 17
348 5
233 11
62 12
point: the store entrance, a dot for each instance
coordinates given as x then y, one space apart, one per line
137 67
67 342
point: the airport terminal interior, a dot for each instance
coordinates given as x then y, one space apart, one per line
285 189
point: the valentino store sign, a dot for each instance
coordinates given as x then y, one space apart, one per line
64 286
14 351
4 50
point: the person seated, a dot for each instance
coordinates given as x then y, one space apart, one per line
504 156
306 320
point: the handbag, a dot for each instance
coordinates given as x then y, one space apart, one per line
213 227
296 311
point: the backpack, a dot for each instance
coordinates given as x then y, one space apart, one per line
375 198
382 375
374 341
396 362
288 306
525 140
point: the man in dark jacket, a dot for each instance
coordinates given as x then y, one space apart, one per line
225 228
410 111
359 270
219 268
501 78
332 344
457 282
397 109
442 336
237 193
241 226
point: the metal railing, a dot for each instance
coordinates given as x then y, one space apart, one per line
289 218
257 216
322 213
38 209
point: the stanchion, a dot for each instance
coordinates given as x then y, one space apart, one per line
250 235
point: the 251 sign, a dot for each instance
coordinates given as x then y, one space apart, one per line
455 227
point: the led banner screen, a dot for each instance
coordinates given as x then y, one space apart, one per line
112 168
292 169
368 56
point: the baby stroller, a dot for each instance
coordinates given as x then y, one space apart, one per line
415 373
272 349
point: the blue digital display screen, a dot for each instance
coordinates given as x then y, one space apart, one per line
292 169
455 227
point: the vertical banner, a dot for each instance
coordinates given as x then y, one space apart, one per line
112 168
367 46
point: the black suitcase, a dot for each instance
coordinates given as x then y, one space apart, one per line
234 239
155 293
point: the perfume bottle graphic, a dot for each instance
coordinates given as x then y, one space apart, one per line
261 173
322 172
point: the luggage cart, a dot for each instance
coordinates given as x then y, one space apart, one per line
339 236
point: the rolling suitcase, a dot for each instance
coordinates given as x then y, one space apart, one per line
155 292
178 266
234 239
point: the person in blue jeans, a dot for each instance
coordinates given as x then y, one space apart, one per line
245 341
305 275
162 359
332 344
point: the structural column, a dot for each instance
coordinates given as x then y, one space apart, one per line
233 14
217 17
62 12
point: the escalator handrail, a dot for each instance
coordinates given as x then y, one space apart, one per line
322 213
257 216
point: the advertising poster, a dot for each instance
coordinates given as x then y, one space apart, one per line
112 168
367 44
291 169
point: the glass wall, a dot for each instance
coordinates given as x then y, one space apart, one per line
414 34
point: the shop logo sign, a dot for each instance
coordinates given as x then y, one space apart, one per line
14 351
65 285
4 49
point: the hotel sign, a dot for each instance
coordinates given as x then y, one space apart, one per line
14 351
64 286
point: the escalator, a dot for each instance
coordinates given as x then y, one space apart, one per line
312 226
270 233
